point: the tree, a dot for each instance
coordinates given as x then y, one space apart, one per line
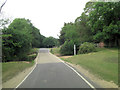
16 40
83 29
68 32
36 37
67 48
4 23
105 21
2 6
50 42
77 32
41 39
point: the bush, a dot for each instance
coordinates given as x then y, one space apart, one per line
86 48
16 40
32 57
67 48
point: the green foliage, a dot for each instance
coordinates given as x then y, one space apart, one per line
20 37
104 21
83 29
68 32
78 32
87 48
36 37
16 40
31 57
3 23
55 51
67 48
50 42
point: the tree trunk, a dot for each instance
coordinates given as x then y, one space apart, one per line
109 43
116 42
119 42
2 6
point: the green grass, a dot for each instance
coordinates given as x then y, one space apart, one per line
55 51
11 69
103 63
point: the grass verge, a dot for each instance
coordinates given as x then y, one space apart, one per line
55 51
11 69
103 63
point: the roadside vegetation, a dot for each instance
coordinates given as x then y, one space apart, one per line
103 63
20 43
98 26
98 23
20 37
11 69
55 51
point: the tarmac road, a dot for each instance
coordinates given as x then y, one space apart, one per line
50 72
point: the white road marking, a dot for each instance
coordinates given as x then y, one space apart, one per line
26 77
75 72
28 74
66 65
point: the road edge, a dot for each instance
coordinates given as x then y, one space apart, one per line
28 73
74 71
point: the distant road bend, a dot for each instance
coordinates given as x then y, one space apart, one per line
50 72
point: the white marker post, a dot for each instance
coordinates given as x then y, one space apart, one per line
74 49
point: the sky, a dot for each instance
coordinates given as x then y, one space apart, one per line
47 15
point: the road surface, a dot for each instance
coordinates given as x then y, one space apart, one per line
50 72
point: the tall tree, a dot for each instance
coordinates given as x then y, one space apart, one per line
50 42
68 33
16 40
83 28
105 22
